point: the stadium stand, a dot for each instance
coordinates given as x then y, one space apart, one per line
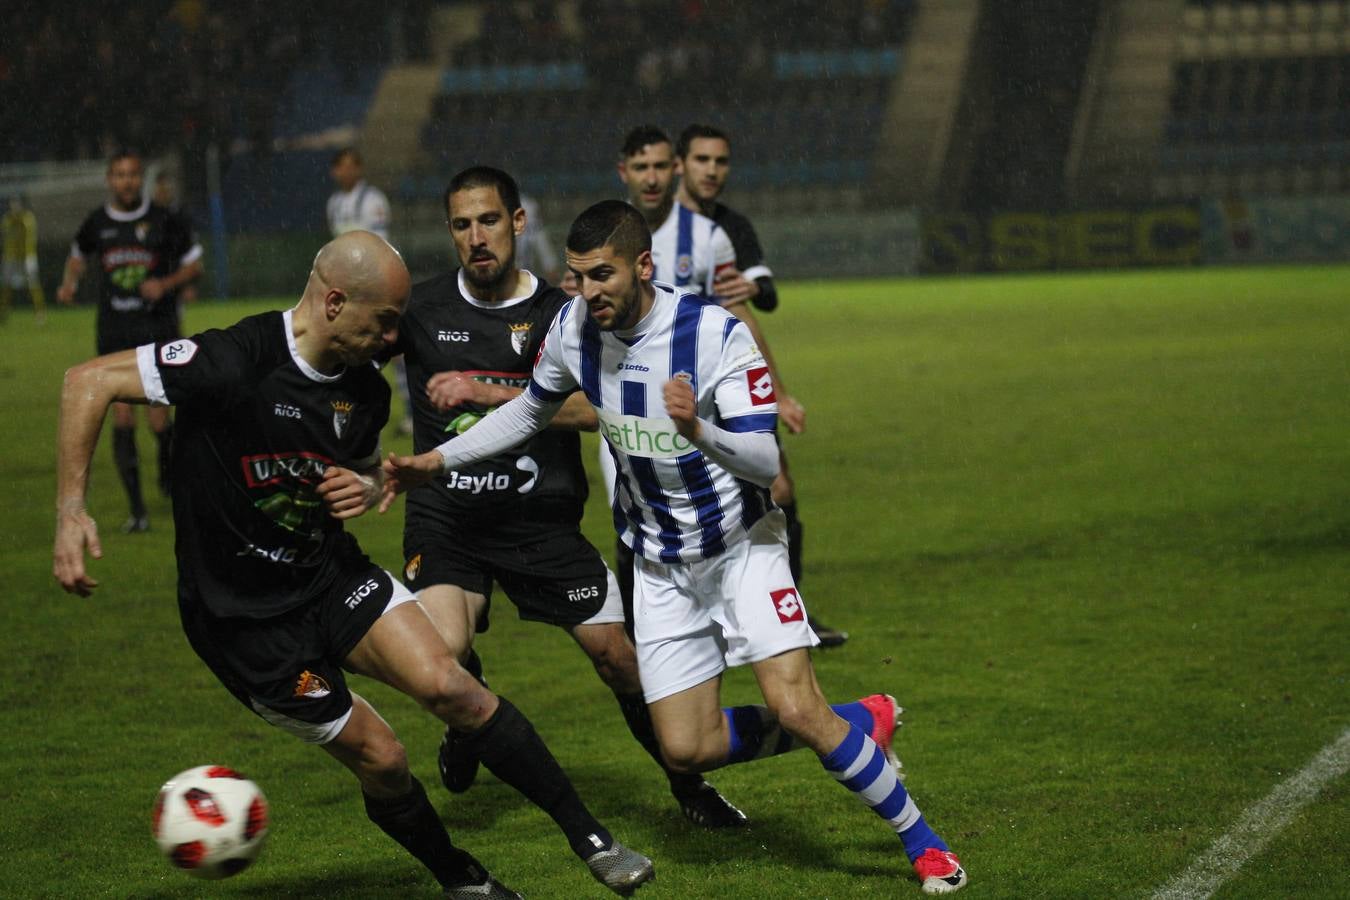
792 99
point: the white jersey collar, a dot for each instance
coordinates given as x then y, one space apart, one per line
119 215
532 281
309 371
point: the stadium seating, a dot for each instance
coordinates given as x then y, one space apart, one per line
1260 87
804 118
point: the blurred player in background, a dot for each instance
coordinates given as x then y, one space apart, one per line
357 205
534 251
145 254
280 417
703 162
20 261
165 194
687 405
470 337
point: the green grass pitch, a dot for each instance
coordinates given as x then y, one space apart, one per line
1092 530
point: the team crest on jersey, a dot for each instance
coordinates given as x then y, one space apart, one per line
788 605
342 416
142 229
684 265
311 686
686 377
520 335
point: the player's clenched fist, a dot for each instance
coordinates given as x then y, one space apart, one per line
681 407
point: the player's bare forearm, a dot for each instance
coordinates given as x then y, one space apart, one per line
70 280
86 393
447 390
348 493
576 414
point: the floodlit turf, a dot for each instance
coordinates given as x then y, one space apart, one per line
1092 530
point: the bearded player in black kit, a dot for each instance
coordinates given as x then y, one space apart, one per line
145 253
470 338
277 444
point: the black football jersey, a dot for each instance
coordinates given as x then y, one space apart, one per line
749 254
443 329
128 248
256 427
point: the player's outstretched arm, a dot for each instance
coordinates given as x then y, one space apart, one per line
87 392
500 430
403 473
446 390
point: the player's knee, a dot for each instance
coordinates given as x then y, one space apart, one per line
616 665
683 758
383 767
796 715
688 753
457 698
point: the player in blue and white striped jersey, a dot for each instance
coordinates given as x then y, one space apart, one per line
687 407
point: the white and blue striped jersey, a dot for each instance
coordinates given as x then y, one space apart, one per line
690 251
672 504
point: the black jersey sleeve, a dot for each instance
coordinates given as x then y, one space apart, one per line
178 237
749 257
217 367
86 239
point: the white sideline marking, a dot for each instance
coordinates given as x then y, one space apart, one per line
1259 824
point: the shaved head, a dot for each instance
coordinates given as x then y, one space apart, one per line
363 266
353 299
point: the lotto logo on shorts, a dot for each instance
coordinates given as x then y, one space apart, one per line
788 605
761 386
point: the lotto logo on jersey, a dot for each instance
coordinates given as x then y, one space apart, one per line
788 605
760 384
177 353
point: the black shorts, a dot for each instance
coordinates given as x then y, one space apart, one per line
549 571
288 668
114 336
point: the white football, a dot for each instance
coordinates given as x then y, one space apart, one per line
210 821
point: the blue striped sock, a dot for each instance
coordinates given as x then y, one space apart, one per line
859 765
756 735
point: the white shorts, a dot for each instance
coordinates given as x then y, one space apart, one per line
695 619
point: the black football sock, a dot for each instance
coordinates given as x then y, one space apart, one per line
412 822
639 720
473 664
513 751
623 573
165 439
128 467
794 530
